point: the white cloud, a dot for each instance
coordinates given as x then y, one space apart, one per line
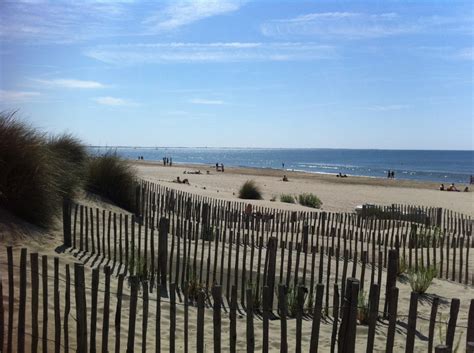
17 96
206 101
181 13
115 102
465 54
386 108
71 83
132 54
354 25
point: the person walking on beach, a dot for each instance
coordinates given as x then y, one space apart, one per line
222 167
389 174
171 162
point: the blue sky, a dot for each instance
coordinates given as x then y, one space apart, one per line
358 74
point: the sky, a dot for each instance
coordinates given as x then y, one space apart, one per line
229 73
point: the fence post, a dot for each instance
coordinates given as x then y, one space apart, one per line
412 314
250 330
106 318
470 324
57 309
318 306
441 348
373 311
118 313
2 324
299 315
163 251
172 296
11 298
271 267
347 334
453 318
266 313
22 303
434 311
133 314
217 297
233 319
67 222
200 323
81 309
94 290
283 313
392 270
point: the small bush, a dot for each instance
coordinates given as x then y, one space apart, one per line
420 280
112 177
250 191
310 200
292 301
29 173
287 198
139 267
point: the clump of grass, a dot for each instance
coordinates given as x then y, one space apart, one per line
310 200
363 308
194 287
29 172
112 177
72 155
273 199
292 301
402 266
250 191
287 198
420 280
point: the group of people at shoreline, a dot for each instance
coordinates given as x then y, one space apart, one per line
452 187
167 161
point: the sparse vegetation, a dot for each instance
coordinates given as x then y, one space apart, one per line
112 177
250 191
402 266
310 200
287 198
138 266
194 287
420 280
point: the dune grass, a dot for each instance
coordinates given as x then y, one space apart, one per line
310 200
421 279
287 198
29 172
112 177
250 191
72 155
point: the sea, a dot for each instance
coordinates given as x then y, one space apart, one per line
437 166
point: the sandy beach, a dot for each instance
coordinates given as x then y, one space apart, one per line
337 194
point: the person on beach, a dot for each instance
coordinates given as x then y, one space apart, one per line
452 188
441 187
283 166
389 174
217 167
171 162
285 178
222 167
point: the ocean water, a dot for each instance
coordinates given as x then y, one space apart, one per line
439 166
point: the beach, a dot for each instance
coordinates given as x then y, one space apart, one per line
337 194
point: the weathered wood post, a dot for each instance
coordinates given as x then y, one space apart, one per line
392 270
163 251
270 268
81 309
67 222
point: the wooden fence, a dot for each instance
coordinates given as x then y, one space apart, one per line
80 324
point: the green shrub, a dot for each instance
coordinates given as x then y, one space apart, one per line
72 155
287 198
421 279
250 191
310 200
29 173
112 177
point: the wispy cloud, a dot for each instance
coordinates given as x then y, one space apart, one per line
17 96
70 83
464 54
386 108
61 21
206 101
115 102
182 13
354 25
132 54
